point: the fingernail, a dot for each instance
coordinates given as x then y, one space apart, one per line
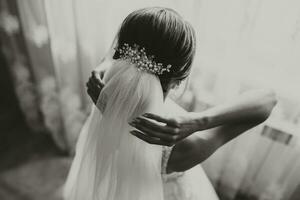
132 123
145 115
132 132
136 120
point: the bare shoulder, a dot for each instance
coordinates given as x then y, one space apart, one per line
171 107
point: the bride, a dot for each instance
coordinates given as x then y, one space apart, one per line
153 53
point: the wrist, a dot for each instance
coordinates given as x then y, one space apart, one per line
200 121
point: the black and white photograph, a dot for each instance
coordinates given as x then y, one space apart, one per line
149 100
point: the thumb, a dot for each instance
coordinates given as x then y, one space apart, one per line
97 77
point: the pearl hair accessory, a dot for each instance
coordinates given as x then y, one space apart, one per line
138 56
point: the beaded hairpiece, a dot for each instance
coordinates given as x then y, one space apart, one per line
138 56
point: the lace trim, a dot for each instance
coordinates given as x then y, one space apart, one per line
165 159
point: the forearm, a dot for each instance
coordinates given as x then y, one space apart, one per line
196 148
224 123
251 107
190 152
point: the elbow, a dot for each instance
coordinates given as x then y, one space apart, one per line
269 101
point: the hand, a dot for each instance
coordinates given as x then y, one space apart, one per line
166 131
95 85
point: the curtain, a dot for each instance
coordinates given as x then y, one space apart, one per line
52 46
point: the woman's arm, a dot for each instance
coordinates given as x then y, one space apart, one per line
218 125
251 107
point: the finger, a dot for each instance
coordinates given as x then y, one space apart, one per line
153 125
97 78
90 86
90 82
149 139
153 133
91 95
161 119
102 74
93 91
94 83
96 74
96 90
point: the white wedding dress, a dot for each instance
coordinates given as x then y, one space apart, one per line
112 164
192 184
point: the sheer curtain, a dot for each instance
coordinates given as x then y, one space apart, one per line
241 44
52 48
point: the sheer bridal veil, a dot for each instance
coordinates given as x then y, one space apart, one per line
110 163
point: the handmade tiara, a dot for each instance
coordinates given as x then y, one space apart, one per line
144 62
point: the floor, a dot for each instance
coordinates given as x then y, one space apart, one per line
31 168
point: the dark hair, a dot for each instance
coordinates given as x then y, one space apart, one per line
164 34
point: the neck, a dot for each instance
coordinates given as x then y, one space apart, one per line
165 95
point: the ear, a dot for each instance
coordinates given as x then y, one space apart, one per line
174 84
